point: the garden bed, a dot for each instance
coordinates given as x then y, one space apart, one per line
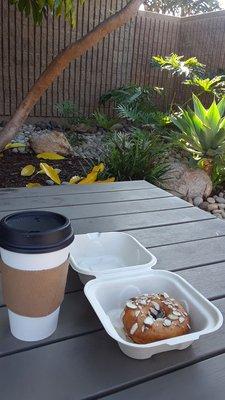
11 165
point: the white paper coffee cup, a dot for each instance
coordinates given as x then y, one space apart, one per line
27 252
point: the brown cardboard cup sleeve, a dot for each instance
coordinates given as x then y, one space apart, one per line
34 293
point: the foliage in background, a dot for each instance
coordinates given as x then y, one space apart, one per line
136 104
142 97
103 121
182 7
39 8
153 119
202 132
68 111
194 73
136 156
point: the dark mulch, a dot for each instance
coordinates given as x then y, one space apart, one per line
11 165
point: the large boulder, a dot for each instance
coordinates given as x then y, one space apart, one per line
50 141
183 181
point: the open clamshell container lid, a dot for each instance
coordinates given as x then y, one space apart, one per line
108 296
99 254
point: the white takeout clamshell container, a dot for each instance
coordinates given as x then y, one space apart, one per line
108 296
96 254
122 268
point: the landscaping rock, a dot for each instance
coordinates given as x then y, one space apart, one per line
221 194
190 200
197 201
213 207
183 181
211 200
221 206
49 182
219 199
83 128
217 212
204 206
52 141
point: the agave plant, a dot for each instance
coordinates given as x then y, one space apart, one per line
202 131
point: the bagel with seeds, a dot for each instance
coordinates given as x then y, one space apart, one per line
149 318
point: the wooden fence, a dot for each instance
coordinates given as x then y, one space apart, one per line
121 58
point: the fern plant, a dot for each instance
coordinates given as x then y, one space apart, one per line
142 97
136 156
140 117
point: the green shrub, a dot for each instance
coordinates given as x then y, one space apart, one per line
202 132
139 155
103 121
194 73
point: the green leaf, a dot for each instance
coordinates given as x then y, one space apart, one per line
199 108
221 106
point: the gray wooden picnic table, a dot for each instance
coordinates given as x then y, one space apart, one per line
80 361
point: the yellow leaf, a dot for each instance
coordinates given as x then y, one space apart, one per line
28 170
51 172
98 168
41 172
14 145
74 179
108 180
32 185
50 156
90 178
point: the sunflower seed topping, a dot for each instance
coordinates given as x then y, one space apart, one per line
149 321
142 328
188 326
136 313
142 301
133 328
181 320
167 322
172 317
130 304
175 312
156 305
153 311
166 296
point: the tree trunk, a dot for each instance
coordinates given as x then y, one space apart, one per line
60 62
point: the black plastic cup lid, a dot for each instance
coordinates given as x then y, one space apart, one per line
35 232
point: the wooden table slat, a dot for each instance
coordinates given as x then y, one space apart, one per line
11 204
190 254
70 189
116 208
178 233
140 220
204 380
